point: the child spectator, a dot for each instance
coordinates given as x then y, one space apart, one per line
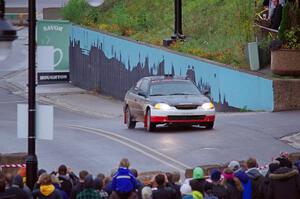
232 184
98 185
162 191
195 189
186 191
243 178
46 189
124 182
199 180
88 192
255 176
146 193
218 188
79 186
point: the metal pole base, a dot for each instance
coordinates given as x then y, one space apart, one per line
31 170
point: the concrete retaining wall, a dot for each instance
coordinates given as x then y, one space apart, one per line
111 65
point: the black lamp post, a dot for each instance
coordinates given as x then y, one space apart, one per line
7 33
177 25
178 20
31 161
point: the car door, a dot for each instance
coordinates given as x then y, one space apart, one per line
142 99
132 99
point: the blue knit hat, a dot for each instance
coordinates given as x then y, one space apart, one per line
215 175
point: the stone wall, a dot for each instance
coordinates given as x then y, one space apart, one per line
286 94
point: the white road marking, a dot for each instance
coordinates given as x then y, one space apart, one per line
113 136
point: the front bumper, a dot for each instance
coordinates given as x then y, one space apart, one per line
193 116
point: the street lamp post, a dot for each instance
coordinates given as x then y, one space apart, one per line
31 161
178 20
7 33
178 35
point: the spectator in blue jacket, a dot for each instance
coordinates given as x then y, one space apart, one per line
243 177
124 182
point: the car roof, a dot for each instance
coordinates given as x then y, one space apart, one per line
166 77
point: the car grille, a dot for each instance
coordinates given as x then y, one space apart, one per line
186 117
185 107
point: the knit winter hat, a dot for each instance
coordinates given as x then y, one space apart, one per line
186 189
146 192
198 173
228 174
215 175
234 165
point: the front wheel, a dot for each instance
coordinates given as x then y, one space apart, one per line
129 122
209 125
150 126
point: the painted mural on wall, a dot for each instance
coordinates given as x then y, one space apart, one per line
112 65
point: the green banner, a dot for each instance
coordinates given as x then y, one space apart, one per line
53 45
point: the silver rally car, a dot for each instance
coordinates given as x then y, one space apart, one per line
167 100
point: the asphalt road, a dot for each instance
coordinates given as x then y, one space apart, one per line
97 144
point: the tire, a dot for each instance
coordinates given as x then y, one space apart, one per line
209 125
129 122
150 126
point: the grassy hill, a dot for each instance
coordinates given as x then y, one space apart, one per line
216 29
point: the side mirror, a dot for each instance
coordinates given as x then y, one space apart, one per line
142 93
206 92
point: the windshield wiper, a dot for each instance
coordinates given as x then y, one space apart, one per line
157 95
181 94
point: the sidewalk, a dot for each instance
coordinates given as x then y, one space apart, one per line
68 97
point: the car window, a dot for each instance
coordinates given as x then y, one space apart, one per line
144 85
173 88
138 84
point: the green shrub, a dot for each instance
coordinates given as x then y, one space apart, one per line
75 11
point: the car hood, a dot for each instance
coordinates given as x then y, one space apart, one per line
174 100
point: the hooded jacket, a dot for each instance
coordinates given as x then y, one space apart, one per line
284 183
243 177
197 195
256 181
123 181
47 192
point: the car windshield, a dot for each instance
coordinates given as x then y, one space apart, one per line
173 88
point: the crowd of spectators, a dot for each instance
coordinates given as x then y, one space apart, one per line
279 180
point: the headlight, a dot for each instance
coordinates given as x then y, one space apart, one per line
207 106
162 106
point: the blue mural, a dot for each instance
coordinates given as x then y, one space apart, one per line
110 64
